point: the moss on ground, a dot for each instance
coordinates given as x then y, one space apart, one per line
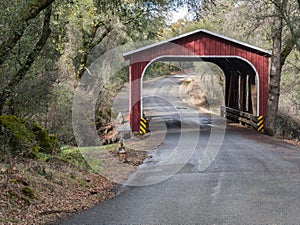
20 138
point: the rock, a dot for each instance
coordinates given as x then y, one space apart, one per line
124 131
120 118
114 138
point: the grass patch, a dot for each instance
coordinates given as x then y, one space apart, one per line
93 157
187 83
99 148
9 221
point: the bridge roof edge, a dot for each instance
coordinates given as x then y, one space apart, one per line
263 51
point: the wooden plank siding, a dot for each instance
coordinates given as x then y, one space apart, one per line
202 44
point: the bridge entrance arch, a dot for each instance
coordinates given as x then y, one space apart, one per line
246 69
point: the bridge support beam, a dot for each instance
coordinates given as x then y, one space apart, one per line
135 79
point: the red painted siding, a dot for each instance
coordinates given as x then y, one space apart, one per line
199 44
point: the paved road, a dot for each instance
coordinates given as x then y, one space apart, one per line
193 179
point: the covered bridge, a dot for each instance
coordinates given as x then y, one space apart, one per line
246 69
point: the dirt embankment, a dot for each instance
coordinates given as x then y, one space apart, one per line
43 191
202 94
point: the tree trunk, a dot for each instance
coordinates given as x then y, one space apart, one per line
279 56
29 13
275 73
88 47
18 77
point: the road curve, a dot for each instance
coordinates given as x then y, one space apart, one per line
203 172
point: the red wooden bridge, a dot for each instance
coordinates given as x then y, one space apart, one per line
245 67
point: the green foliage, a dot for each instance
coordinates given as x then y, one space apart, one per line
121 77
252 22
157 69
47 143
15 138
21 138
84 30
288 127
74 156
28 192
104 111
58 117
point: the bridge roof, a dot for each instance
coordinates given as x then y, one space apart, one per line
258 50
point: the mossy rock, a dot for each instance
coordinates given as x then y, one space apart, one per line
23 138
16 127
15 138
48 143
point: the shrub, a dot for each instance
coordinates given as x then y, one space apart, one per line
288 127
47 143
23 138
15 139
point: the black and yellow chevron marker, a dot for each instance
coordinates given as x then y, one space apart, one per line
260 124
143 126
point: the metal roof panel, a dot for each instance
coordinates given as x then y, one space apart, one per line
127 54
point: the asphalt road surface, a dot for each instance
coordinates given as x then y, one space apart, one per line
204 171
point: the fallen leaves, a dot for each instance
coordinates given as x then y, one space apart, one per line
30 197
39 192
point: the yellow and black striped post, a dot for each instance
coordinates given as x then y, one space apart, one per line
260 124
143 126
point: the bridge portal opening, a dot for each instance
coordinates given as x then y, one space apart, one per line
217 81
199 84
246 70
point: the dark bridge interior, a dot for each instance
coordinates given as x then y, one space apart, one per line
240 87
